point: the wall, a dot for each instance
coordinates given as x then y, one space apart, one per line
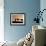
42 6
29 7
1 20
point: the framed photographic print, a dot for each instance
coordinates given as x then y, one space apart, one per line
17 18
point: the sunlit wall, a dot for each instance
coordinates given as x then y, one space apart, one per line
1 20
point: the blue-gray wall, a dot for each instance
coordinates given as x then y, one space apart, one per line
43 6
29 7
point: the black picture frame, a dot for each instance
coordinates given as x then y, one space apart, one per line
17 19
